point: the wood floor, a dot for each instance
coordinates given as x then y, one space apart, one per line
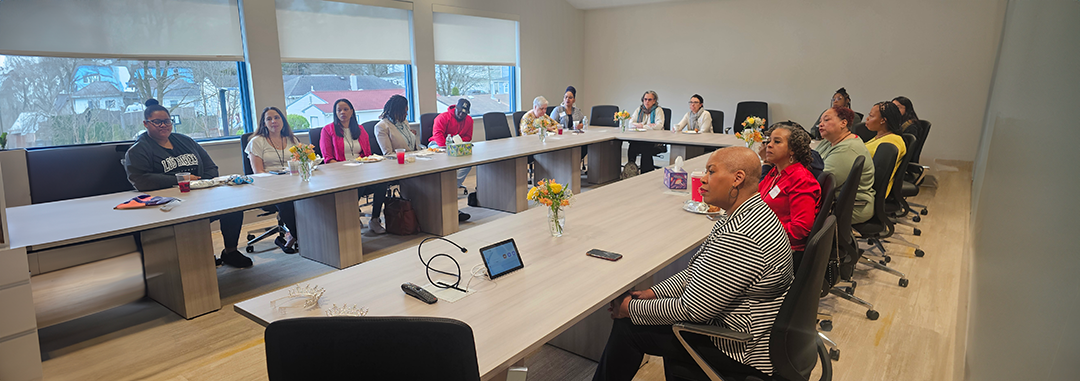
915 338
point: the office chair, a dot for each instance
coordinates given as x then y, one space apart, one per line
864 133
917 173
748 108
278 229
717 121
369 127
825 209
848 250
370 348
896 207
603 115
517 118
314 136
549 110
663 148
495 126
879 226
794 345
427 125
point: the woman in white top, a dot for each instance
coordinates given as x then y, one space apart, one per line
697 119
268 151
649 116
392 132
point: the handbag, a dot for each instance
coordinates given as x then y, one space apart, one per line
629 170
400 216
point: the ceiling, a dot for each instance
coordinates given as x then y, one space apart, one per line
597 4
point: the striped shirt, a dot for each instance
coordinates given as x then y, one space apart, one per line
737 280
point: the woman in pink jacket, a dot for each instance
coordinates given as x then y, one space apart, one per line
345 140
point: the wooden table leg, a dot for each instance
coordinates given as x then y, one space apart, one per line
329 228
179 265
604 161
503 185
687 152
434 199
561 166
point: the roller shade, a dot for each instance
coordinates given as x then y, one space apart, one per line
328 31
473 40
188 29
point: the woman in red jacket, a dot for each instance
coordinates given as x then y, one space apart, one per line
789 189
345 140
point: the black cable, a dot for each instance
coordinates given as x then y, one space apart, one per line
429 269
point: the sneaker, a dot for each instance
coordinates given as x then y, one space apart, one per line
376 226
235 259
473 200
280 242
462 216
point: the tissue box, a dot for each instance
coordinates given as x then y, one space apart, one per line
463 149
673 179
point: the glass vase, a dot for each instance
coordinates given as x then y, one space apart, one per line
556 221
624 124
543 134
305 170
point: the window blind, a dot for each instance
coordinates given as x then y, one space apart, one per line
330 31
474 40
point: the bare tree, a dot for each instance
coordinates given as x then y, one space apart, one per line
458 79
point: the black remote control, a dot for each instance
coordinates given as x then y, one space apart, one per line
419 293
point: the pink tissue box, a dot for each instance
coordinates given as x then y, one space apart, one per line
674 180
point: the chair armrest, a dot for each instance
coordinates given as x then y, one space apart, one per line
711 331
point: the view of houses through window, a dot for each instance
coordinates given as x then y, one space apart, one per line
51 101
312 88
488 88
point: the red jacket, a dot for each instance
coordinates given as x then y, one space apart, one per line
795 204
446 125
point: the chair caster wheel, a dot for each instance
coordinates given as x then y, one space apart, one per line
250 237
918 231
826 325
872 315
919 253
888 259
903 282
834 354
249 249
883 263
922 212
916 219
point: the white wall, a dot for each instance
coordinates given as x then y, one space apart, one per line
1025 298
794 54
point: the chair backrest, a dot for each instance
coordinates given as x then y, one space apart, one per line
793 340
864 133
369 127
828 187
667 118
924 131
717 121
495 126
884 162
604 115
54 175
896 192
427 125
748 108
370 348
517 119
244 139
549 110
314 135
845 206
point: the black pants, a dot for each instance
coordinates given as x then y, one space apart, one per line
378 192
287 213
796 259
646 151
629 343
230 228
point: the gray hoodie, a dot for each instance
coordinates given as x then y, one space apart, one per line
150 166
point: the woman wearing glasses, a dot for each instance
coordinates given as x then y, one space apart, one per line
648 116
159 154
839 99
268 151
698 119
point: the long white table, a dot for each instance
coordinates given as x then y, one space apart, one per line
559 285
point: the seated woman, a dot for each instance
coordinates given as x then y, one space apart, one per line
839 99
567 114
159 154
907 110
697 119
268 150
648 116
885 120
790 190
537 118
839 150
344 140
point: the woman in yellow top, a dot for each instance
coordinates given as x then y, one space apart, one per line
885 119
537 118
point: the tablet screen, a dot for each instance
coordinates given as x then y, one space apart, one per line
501 258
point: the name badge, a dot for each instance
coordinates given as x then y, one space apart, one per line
562 114
774 191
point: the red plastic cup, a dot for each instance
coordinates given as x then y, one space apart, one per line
695 186
400 156
183 179
560 131
185 186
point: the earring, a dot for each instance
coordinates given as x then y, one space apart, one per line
733 193
791 159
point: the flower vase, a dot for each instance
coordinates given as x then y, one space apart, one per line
556 221
543 134
306 168
624 124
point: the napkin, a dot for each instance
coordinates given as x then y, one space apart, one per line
678 164
457 139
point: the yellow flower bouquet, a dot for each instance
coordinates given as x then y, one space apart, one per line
555 196
624 118
304 156
752 129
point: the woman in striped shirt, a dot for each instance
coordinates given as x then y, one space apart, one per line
737 280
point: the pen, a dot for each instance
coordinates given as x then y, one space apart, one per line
450 286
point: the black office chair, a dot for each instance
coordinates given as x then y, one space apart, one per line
848 249
864 133
794 345
663 148
277 230
749 108
717 121
517 119
549 110
603 115
370 348
917 173
314 135
427 125
896 206
65 173
369 127
879 225
825 209
495 126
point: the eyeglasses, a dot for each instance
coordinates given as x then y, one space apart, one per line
695 102
161 122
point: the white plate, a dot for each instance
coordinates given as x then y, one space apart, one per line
691 132
696 208
370 159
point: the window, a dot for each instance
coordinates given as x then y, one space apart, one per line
44 101
484 71
318 70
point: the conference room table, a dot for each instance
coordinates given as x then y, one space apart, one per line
181 276
559 286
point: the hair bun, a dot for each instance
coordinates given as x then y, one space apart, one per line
151 102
